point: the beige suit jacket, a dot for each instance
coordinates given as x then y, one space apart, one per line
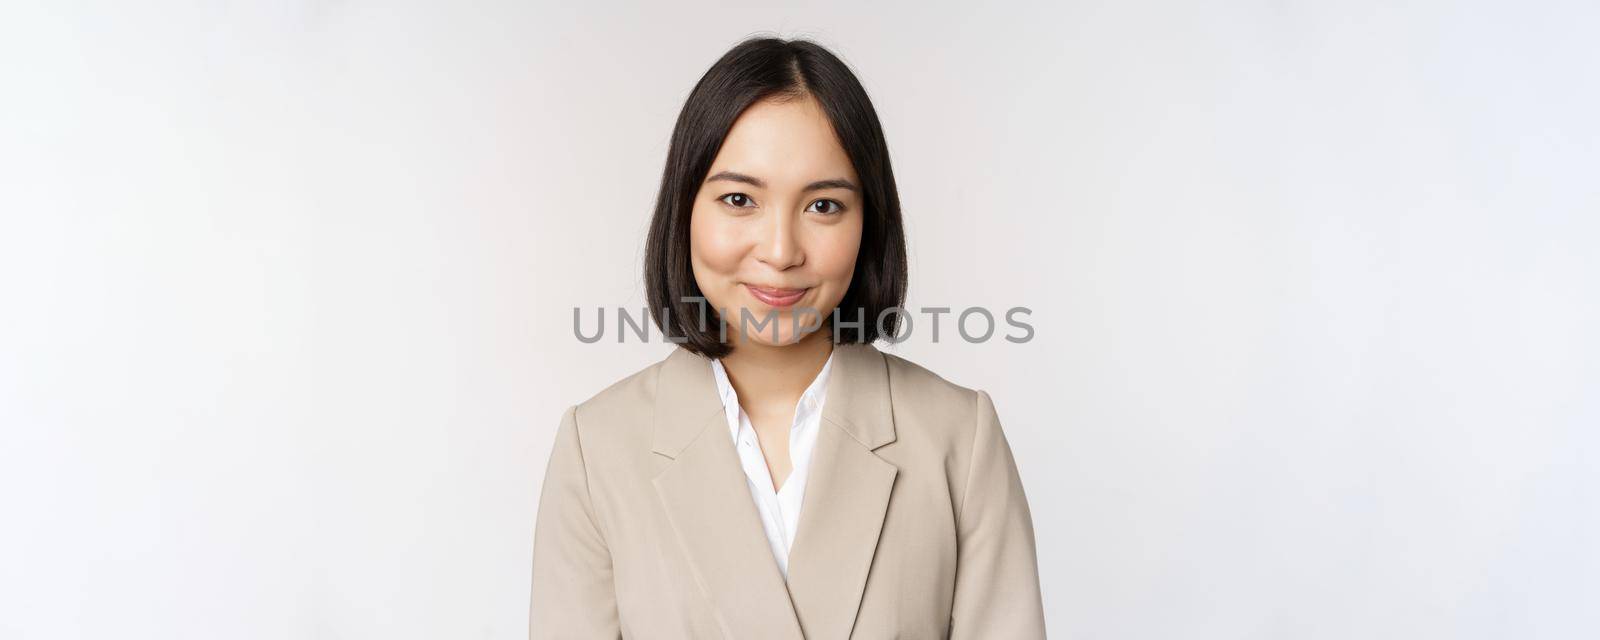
914 523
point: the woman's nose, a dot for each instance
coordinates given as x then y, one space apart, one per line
779 246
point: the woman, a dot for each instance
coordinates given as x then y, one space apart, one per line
776 476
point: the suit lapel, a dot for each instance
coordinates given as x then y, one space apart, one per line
847 495
704 494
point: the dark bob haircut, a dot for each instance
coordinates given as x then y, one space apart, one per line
754 70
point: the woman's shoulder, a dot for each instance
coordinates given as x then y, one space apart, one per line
933 405
632 394
611 424
911 378
937 406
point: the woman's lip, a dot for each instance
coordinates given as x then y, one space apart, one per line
776 297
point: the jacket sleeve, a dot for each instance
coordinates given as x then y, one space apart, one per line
997 575
573 596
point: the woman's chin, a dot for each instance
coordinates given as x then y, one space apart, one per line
785 337
766 340
772 328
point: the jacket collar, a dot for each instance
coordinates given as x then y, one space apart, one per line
704 493
857 393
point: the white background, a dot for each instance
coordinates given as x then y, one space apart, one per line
286 299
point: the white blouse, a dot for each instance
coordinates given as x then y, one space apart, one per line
780 510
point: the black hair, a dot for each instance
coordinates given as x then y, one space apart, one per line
754 70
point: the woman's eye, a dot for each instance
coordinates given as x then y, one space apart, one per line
826 207
737 200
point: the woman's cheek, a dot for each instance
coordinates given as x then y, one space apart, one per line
839 259
714 247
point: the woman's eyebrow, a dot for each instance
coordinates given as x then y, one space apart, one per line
737 177
834 183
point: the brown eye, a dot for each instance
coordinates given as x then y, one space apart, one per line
737 200
826 207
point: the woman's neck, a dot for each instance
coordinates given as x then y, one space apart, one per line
763 373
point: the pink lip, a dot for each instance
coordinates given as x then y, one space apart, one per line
776 297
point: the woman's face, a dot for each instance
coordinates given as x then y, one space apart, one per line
777 223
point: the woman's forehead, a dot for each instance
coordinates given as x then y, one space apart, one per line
784 143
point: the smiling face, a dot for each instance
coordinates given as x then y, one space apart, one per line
776 225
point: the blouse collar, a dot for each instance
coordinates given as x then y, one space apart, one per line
811 400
